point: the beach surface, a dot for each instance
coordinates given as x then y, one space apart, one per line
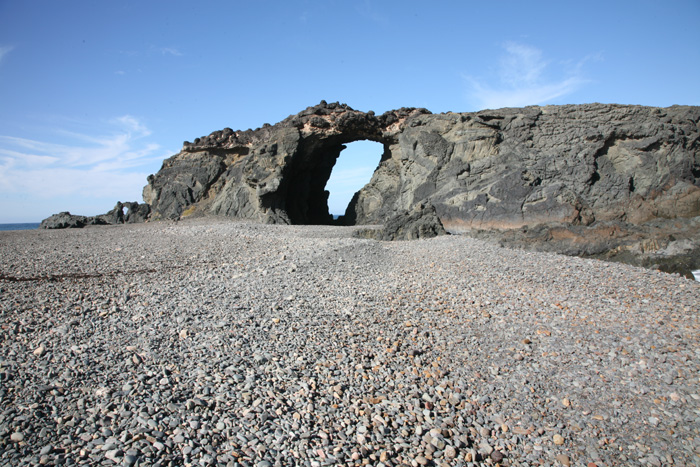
217 342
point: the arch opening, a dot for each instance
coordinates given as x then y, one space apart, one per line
352 170
306 185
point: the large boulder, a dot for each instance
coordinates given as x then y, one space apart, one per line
64 220
421 222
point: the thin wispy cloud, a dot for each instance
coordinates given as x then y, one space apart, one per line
153 50
368 10
525 77
169 51
4 50
111 164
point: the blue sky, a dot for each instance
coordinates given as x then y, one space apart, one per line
94 95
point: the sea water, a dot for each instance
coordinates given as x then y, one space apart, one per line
26 226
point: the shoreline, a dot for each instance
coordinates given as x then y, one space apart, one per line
222 341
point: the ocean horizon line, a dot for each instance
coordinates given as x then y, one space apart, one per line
19 226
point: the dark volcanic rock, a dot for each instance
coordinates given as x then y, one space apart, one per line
136 213
495 169
566 172
65 220
274 174
421 222
556 178
671 246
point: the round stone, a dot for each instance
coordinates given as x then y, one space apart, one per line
497 456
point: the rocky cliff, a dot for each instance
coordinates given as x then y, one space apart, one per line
500 169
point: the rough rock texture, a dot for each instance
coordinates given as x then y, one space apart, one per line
64 220
630 173
497 169
614 181
135 213
421 222
274 174
671 246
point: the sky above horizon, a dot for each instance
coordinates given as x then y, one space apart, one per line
95 95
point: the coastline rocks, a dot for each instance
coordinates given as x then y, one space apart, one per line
494 169
63 220
600 180
135 213
668 246
590 180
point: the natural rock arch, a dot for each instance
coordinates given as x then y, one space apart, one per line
591 179
275 174
500 169
306 198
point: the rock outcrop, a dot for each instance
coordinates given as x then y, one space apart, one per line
421 222
495 169
275 174
135 213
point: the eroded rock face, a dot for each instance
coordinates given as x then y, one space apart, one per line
613 181
274 174
498 169
569 174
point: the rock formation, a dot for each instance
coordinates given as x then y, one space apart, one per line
65 220
501 169
560 168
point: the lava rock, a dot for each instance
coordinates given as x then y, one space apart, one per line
65 220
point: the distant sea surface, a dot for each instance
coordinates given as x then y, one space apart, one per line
29 226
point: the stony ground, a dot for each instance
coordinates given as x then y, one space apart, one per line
224 343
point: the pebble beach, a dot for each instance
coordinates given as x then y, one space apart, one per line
218 342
